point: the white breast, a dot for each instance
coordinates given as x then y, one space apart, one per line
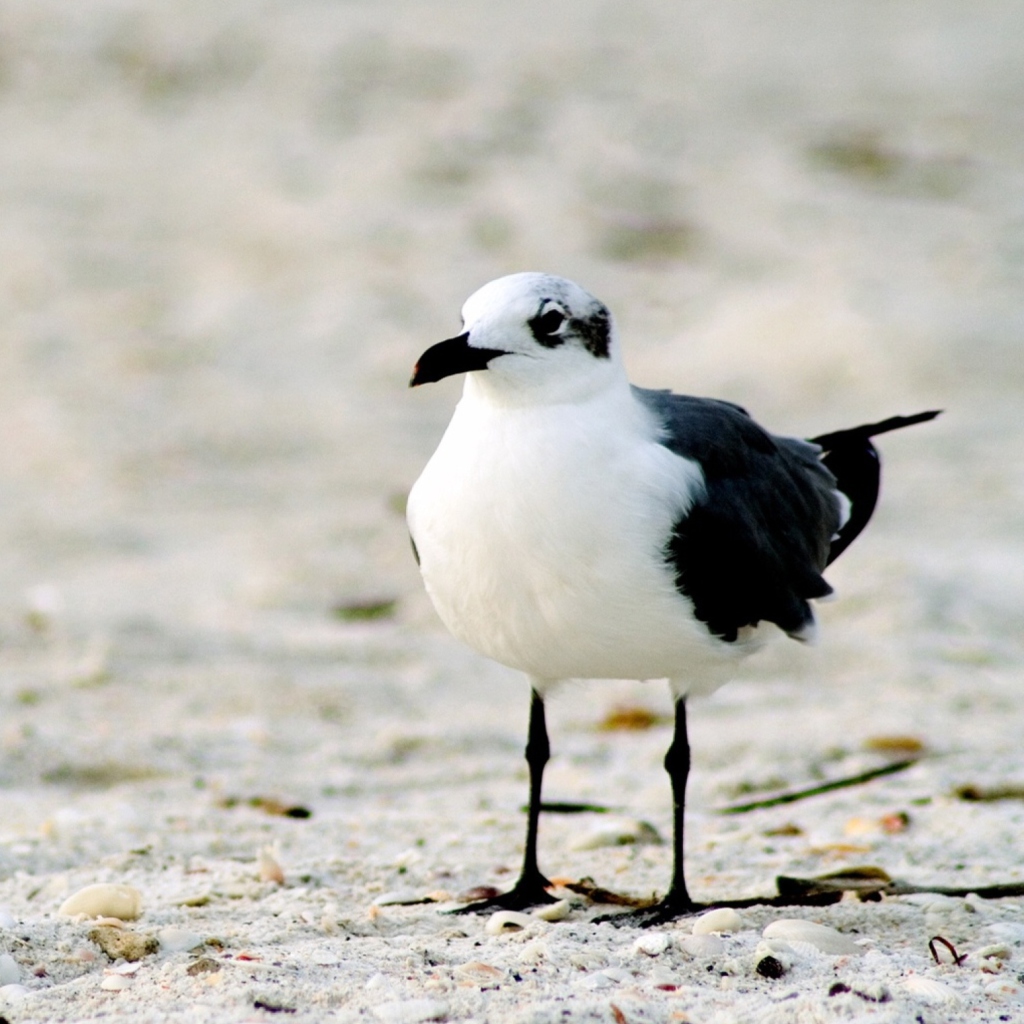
541 534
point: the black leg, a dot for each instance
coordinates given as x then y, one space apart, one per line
677 764
677 900
531 889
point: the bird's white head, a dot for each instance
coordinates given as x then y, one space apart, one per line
539 338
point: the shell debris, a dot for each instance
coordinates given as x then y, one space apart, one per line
557 911
724 919
652 944
701 945
821 936
928 990
104 899
508 921
269 866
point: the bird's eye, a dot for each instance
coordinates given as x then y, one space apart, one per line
550 322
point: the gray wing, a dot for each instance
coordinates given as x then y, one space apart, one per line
753 546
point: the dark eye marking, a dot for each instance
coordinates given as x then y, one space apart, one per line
545 327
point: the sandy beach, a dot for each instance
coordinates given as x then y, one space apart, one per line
226 234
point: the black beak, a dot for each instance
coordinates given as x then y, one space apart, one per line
455 355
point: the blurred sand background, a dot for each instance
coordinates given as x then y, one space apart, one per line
226 233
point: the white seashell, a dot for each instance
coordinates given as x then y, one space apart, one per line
398 898
7 921
652 943
104 899
701 945
10 972
507 921
12 992
617 832
724 919
115 982
411 1011
1005 991
553 911
178 940
821 936
935 993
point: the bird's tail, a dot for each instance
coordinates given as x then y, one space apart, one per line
853 460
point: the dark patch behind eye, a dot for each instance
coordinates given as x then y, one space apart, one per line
544 325
595 332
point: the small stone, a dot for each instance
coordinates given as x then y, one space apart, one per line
770 967
652 944
10 972
115 983
507 921
553 911
204 965
122 943
821 936
724 919
104 900
701 945
178 940
411 1011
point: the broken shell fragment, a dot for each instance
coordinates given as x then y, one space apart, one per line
701 945
821 936
557 911
724 919
270 867
104 899
507 921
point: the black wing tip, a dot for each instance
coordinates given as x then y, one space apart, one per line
869 430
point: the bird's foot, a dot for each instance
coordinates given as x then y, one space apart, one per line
527 892
669 909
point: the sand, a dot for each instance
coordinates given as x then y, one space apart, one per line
227 232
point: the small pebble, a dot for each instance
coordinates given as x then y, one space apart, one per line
115 983
104 900
10 972
701 945
553 911
935 993
821 936
652 943
507 921
770 967
123 943
724 919
411 1011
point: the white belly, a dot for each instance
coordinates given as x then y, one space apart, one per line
541 538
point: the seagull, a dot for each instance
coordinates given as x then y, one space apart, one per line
573 526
